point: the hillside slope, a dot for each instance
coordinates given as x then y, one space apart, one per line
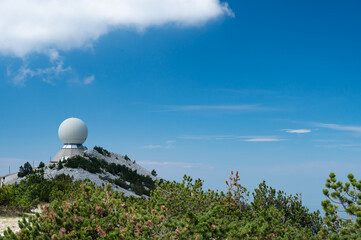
102 167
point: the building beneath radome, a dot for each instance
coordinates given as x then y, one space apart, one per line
72 132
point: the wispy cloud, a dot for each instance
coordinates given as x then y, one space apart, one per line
24 73
185 108
297 130
261 139
355 129
233 137
88 80
169 164
56 70
168 145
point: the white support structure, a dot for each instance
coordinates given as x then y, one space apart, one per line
68 151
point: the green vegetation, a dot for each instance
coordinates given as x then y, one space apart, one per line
154 173
79 210
25 170
138 183
60 165
174 211
41 165
102 151
35 189
90 164
119 182
343 208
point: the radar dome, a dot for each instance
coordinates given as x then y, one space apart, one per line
73 131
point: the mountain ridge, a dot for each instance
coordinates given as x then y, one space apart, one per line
101 167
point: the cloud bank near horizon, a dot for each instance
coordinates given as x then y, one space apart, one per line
37 26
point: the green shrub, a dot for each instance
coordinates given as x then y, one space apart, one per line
35 189
118 181
79 210
7 195
41 165
25 170
175 211
102 151
138 182
265 198
293 210
90 164
127 158
342 208
121 183
60 165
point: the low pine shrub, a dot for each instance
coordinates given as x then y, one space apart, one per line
175 211
102 151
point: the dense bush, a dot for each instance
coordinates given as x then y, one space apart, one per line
41 165
60 165
35 189
7 195
90 164
293 211
79 210
25 170
175 211
102 151
138 183
343 208
118 181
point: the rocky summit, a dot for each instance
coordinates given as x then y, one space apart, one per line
101 167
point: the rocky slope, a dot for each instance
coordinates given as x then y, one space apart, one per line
106 174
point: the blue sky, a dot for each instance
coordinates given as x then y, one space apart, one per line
202 91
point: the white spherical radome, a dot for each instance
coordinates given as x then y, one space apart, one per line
73 131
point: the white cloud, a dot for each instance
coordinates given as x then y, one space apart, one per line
24 73
260 139
356 129
168 145
40 26
53 55
297 130
89 80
